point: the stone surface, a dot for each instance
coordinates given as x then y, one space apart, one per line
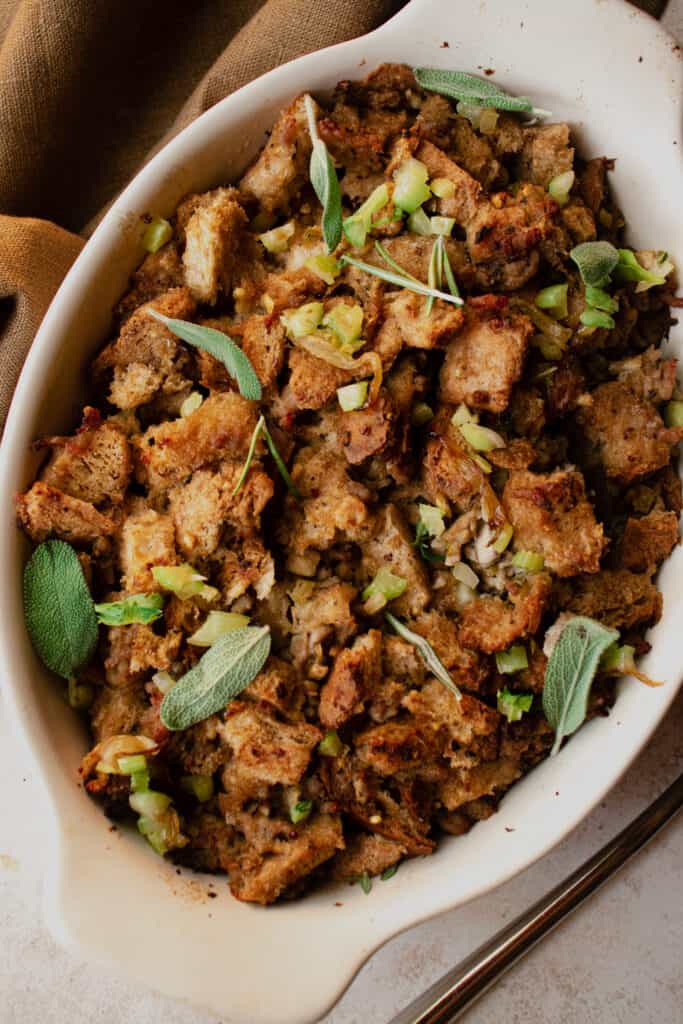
616 961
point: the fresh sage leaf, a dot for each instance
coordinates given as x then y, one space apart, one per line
401 281
219 676
219 345
59 611
325 183
137 608
570 673
261 428
426 652
459 85
596 261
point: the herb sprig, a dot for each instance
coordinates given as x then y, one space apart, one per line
403 282
262 429
460 85
570 673
137 608
59 611
219 345
426 652
219 676
324 181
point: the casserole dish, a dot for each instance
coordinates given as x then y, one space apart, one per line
104 893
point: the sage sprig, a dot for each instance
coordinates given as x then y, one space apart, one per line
402 282
219 676
219 345
324 181
58 609
459 85
426 652
570 673
137 608
262 429
596 261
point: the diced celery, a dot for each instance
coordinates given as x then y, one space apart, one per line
278 239
599 299
503 538
530 561
618 658
191 403
419 222
157 233
560 186
410 185
673 414
386 585
421 414
441 225
346 322
463 415
301 810
302 321
464 574
442 188
357 226
514 659
199 786
483 464
554 300
513 705
79 695
184 581
216 625
132 763
330 745
163 681
139 781
325 266
482 439
596 318
353 396
432 519
150 804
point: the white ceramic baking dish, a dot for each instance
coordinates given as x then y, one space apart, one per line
617 77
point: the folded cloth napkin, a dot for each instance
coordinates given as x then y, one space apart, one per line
89 87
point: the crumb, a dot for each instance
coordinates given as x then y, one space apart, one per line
178 871
640 60
445 45
509 829
489 71
112 828
338 904
213 895
557 792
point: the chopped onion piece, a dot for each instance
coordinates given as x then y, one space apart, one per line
464 574
482 439
163 681
488 121
463 415
183 581
346 322
325 266
300 322
353 396
278 239
442 188
191 403
110 750
432 519
216 625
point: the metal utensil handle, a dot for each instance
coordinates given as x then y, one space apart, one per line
448 997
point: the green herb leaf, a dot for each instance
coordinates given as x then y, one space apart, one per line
58 608
142 608
426 652
423 543
596 261
259 429
570 672
365 882
459 85
324 181
219 676
219 345
401 281
389 873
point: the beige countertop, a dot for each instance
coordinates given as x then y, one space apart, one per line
616 961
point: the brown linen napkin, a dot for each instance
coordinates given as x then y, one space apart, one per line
89 87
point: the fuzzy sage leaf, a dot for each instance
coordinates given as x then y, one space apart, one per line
59 612
596 261
219 345
219 676
324 181
459 85
570 673
426 652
